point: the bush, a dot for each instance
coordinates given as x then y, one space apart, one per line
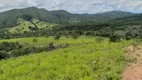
1 71
57 37
114 38
23 51
16 53
128 36
75 36
51 46
3 55
35 40
99 39
40 49
8 46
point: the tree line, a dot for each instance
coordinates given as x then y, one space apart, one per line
15 49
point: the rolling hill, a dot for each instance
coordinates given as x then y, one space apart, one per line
9 18
130 20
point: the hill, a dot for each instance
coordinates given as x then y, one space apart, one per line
130 20
9 18
84 59
36 44
106 15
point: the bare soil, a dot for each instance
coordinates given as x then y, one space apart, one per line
133 71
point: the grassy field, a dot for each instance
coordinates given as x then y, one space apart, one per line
85 59
24 25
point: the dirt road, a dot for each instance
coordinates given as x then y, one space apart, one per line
134 69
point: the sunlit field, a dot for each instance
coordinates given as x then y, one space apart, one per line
86 58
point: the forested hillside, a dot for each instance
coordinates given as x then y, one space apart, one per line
9 18
32 21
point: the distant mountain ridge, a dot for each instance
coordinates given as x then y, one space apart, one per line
8 18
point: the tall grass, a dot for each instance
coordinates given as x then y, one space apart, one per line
84 59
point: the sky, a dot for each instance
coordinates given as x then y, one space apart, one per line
76 6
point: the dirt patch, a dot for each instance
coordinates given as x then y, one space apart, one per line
133 70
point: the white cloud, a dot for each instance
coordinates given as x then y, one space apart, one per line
25 3
125 5
76 6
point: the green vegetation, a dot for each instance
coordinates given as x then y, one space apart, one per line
36 44
8 18
35 22
84 59
57 37
26 26
114 38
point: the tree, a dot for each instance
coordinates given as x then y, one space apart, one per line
8 46
128 36
75 36
114 38
57 37
3 55
51 46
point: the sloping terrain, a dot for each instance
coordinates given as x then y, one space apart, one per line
8 18
134 69
33 25
85 59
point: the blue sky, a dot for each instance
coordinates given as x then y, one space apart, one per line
76 6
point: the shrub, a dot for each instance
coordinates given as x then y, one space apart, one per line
35 40
75 36
3 55
23 51
128 36
51 46
114 38
8 46
57 37
40 49
1 71
16 53
99 39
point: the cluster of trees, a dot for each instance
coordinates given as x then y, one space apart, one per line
14 49
135 32
118 27
104 29
7 47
